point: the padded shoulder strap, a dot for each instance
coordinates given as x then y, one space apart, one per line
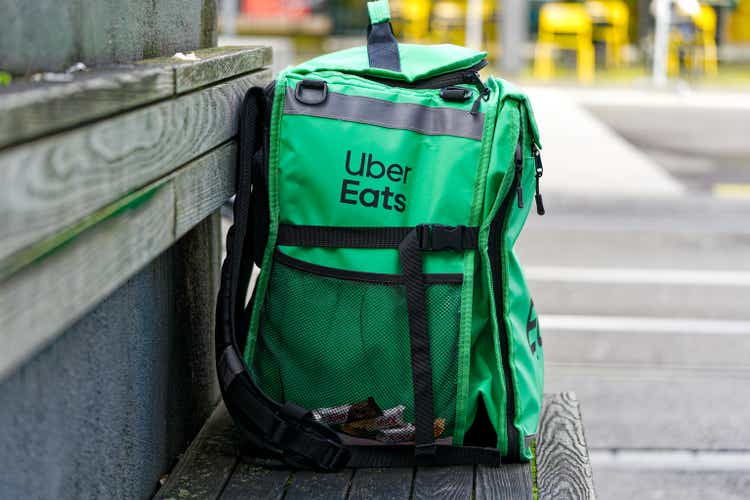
382 47
287 430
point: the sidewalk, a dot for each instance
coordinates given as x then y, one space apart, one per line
583 157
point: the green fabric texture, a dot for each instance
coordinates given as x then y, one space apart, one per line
322 340
329 342
379 11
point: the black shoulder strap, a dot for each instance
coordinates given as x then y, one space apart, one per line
287 430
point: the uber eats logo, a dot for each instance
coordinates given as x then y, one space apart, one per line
366 166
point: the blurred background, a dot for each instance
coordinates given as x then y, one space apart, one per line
641 267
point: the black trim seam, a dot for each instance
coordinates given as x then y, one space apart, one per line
363 277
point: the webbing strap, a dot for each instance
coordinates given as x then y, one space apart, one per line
403 456
421 360
429 236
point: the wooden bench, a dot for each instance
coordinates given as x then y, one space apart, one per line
110 247
103 173
213 468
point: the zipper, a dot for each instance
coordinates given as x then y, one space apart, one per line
496 263
497 279
539 171
519 172
468 76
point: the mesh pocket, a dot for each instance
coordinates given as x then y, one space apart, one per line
342 347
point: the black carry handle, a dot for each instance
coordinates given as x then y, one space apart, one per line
382 47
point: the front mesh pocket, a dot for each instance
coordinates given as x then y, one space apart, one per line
341 347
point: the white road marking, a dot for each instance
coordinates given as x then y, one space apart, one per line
638 275
576 323
671 459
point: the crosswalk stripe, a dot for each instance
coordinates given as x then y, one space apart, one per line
577 323
638 275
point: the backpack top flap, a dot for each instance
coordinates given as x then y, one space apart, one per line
417 61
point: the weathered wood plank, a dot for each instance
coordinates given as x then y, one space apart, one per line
55 182
390 483
507 482
30 109
255 482
310 485
447 483
563 465
33 109
214 64
73 273
201 193
207 464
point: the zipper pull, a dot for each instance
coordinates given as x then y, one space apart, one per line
519 175
484 91
539 172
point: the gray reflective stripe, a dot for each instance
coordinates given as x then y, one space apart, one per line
406 116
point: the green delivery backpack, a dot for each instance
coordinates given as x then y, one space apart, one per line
381 190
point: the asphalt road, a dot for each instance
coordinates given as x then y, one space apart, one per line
645 313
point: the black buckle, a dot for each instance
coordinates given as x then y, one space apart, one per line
455 94
278 435
425 454
440 237
335 458
310 84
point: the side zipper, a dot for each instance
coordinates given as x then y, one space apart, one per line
538 174
496 265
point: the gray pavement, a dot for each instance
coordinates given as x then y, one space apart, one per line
645 314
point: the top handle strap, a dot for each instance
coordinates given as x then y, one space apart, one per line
382 47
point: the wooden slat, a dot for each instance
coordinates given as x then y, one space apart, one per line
507 482
55 182
391 483
213 65
309 485
444 482
31 110
563 465
563 471
34 109
256 482
207 464
72 274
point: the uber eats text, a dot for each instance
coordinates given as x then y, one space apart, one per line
368 167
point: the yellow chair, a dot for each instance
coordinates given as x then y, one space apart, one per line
705 38
411 19
611 20
564 26
448 22
700 48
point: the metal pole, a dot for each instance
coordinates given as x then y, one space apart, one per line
229 17
513 30
661 41
474 24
